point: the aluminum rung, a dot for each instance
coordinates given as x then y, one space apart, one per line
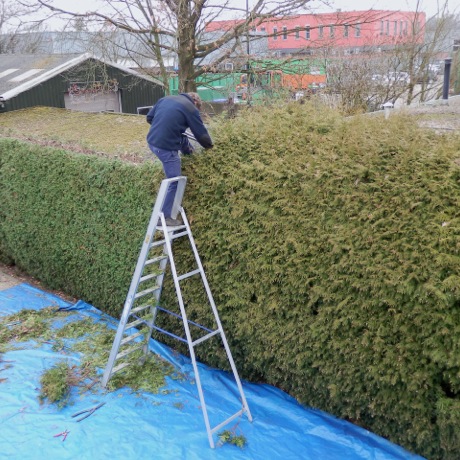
147 277
140 308
128 351
120 367
233 417
146 291
170 228
135 323
188 275
206 337
178 235
131 338
155 260
155 244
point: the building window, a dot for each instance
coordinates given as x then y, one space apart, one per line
297 33
395 28
388 28
262 29
320 31
284 33
400 27
358 30
275 32
331 31
405 27
345 30
381 27
307 32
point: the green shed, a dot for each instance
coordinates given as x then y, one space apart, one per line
77 82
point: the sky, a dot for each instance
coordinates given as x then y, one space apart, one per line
430 7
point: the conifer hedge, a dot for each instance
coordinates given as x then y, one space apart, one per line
331 246
74 221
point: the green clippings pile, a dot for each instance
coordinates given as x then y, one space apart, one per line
93 340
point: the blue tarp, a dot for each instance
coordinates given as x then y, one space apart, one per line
168 425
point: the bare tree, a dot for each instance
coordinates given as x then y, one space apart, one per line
15 34
177 27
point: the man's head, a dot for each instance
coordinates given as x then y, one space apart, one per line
196 99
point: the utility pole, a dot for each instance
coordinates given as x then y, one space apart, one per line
248 64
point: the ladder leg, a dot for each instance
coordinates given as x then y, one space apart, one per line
217 318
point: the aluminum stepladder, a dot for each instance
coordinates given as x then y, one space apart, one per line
129 339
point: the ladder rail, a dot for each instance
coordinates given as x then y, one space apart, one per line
189 337
130 318
149 235
216 316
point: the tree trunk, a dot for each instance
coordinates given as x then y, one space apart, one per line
186 47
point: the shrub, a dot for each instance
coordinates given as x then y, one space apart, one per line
75 221
331 246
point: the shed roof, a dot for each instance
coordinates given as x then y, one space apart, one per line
20 72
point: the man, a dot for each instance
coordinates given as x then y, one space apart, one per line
169 119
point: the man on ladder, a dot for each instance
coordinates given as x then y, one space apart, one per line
169 118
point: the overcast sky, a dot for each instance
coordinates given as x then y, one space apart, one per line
429 6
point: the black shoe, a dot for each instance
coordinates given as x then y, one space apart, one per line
170 222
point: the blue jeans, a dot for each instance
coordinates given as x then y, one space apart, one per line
170 160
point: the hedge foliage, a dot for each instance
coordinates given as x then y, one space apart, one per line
333 249
74 221
331 246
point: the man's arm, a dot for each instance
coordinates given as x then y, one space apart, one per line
199 130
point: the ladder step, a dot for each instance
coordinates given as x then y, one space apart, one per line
130 338
119 367
233 417
135 323
128 351
155 244
147 277
140 308
146 291
188 275
206 337
178 235
155 260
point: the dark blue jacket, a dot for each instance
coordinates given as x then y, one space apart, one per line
170 117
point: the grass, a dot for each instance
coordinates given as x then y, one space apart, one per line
117 135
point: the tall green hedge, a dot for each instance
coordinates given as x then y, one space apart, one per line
331 246
74 221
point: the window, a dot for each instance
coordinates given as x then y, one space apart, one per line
388 28
400 27
405 27
395 29
297 33
331 31
262 29
381 27
307 32
229 66
284 33
346 30
275 31
321 31
358 30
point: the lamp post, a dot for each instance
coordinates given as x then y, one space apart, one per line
248 65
